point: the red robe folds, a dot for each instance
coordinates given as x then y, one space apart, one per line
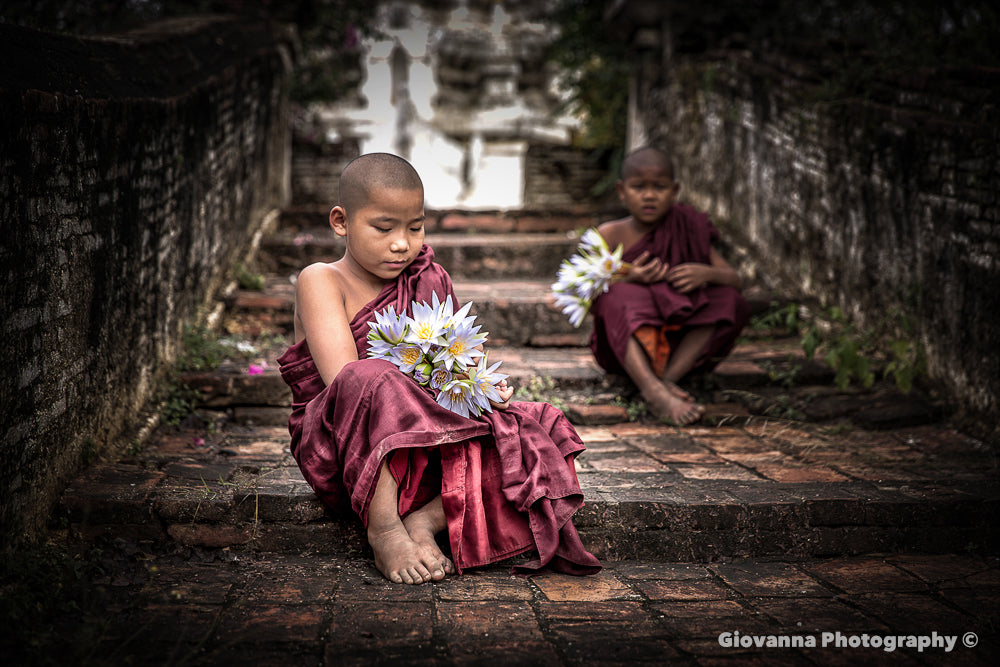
506 479
686 235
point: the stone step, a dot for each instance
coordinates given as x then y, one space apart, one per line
515 312
758 488
464 256
308 217
571 376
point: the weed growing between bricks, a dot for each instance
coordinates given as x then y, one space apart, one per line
857 355
541 389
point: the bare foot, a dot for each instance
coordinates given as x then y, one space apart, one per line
671 403
401 559
677 391
422 530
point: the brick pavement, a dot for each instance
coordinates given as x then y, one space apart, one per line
264 609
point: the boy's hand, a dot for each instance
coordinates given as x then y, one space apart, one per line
505 394
688 277
646 269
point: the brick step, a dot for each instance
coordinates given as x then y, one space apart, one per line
513 255
570 375
297 218
515 312
761 488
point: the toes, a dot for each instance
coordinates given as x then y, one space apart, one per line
436 571
694 414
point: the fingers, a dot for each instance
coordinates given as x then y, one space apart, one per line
505 391
660 274
685 277
644 262
646 269
682 286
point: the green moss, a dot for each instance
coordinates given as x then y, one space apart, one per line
540 389
249 280
201 349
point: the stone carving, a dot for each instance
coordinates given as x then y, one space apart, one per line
460 89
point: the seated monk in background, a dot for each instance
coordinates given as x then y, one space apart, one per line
366 434
679 307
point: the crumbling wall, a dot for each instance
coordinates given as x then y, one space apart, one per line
886 204
564 176
136 171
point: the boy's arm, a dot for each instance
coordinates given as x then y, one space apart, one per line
690 276
320 310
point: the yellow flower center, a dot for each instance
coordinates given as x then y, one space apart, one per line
457 348
424 331
411 355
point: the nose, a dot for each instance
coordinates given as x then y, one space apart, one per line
400 243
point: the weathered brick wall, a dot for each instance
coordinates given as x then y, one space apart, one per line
136 172
555 177
316 169
563 176
887 205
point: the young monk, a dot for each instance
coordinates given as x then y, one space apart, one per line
680 307
364 433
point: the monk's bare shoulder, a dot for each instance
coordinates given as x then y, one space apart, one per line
615 232
318 286
321 276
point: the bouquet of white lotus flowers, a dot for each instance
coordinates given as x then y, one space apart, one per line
586 275
439 349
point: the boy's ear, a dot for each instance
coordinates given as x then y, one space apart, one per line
338 221
620 189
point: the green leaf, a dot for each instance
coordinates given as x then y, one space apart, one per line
810 342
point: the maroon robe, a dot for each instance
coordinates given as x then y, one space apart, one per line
507 478
685 235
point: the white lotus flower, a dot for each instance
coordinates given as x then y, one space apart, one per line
457 397
585 276
438 347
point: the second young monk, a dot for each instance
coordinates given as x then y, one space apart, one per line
680 307
367 436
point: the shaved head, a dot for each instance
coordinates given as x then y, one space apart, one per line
646 157
365 174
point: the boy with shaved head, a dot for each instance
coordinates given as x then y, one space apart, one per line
363 433
679 308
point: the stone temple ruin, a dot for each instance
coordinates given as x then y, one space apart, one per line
462 90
